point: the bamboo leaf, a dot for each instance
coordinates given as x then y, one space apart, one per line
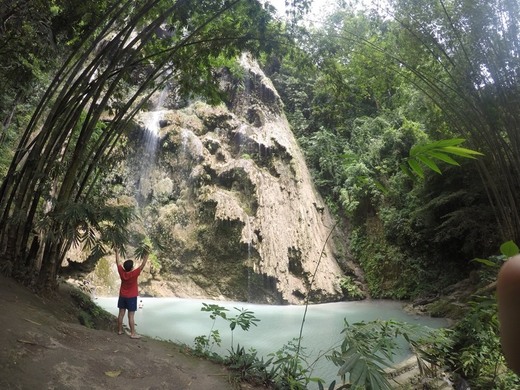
350 363
406 170
463 152
416 168
429 163
443 157
486 262
359 373
416 150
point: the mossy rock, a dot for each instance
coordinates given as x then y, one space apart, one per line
446 309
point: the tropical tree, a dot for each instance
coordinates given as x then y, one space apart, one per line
370 126
464 55
34 37
112 71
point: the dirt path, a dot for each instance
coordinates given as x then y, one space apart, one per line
42 346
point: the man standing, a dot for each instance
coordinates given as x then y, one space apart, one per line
128 292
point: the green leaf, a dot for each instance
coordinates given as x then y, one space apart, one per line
378 381
359 373
463 152
350 363
429 163
439 150
416 168
443 157
509 249
486 262
143 249
417 149
407 171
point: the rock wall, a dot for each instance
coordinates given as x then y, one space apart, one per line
225 193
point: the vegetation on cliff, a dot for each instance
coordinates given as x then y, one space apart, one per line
365 89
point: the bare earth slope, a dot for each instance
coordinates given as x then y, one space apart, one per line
42 346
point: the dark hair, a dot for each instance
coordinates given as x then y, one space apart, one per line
128 265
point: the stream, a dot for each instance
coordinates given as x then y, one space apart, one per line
181 320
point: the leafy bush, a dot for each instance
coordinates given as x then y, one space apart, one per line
476 352
369 347
249 367
292 371
244 320
286 368
350 289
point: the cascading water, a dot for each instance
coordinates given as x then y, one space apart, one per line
152 118
151 128
250 261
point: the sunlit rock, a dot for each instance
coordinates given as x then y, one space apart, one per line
231 203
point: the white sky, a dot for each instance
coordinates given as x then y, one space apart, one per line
320 8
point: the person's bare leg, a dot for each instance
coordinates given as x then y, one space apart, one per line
120 318
131 323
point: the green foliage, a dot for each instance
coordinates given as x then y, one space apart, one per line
509 249
7 141
244 319
470 80
291 368
104 271
363 104
368 348
439 150
286 368
144 248
388 271
204 344
34 38
350 288
476 352
249 367
90 226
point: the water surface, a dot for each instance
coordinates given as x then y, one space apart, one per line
181 320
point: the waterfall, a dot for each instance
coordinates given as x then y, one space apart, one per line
151 126
250 264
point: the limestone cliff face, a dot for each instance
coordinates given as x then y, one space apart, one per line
228 197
